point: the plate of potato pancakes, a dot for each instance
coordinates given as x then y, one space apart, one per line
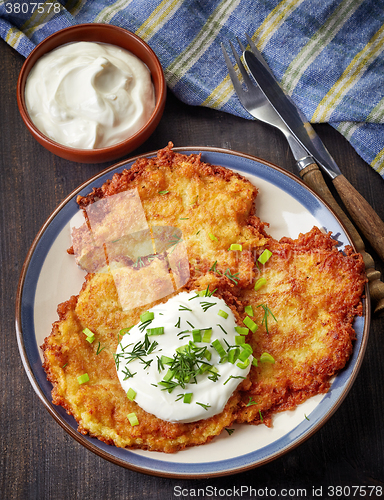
192 312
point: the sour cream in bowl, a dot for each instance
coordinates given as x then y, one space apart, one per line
91 93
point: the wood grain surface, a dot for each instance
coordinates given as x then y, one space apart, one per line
38 459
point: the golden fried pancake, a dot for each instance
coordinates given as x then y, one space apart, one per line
101 406
305 312
211 207
165 226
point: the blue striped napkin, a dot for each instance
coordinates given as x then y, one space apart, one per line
328 54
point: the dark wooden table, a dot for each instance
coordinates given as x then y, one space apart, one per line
38 459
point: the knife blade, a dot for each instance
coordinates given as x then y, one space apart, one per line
362 213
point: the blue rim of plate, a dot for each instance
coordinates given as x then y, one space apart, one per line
29 350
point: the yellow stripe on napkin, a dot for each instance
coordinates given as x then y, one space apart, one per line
378 162
201 43
105 15
317 43
349 78
165 10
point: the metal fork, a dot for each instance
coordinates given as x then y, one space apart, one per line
254 101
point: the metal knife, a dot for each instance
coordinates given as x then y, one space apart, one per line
255 102
362 213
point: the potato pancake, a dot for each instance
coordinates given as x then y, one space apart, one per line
305 312
169 225
211 206
101 406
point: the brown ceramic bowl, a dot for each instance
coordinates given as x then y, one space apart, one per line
104 33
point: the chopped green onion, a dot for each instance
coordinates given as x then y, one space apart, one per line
204 368
133 420
266 358
147 316
261 416
125 330
254 362
131 394
248 310
212 237
265 256
259 283
243 365
90 335
248 347
196 334
164 192
156 331
207 355
241 330
244 355
187 397
219 348
166 360
223 314
207 335
167 377
239 339
250 324
233 355
83 378
88 332
182 348
236 246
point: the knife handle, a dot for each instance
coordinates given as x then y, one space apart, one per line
363 214
312 176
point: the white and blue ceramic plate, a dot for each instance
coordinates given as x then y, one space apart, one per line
50 276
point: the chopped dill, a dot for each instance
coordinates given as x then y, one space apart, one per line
267 312
206 305
251 402
205 406
98 351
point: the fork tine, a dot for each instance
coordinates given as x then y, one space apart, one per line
251 44
256 52
240 65
242 48
232 73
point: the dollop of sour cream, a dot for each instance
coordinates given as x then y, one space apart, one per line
184 360
89 95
